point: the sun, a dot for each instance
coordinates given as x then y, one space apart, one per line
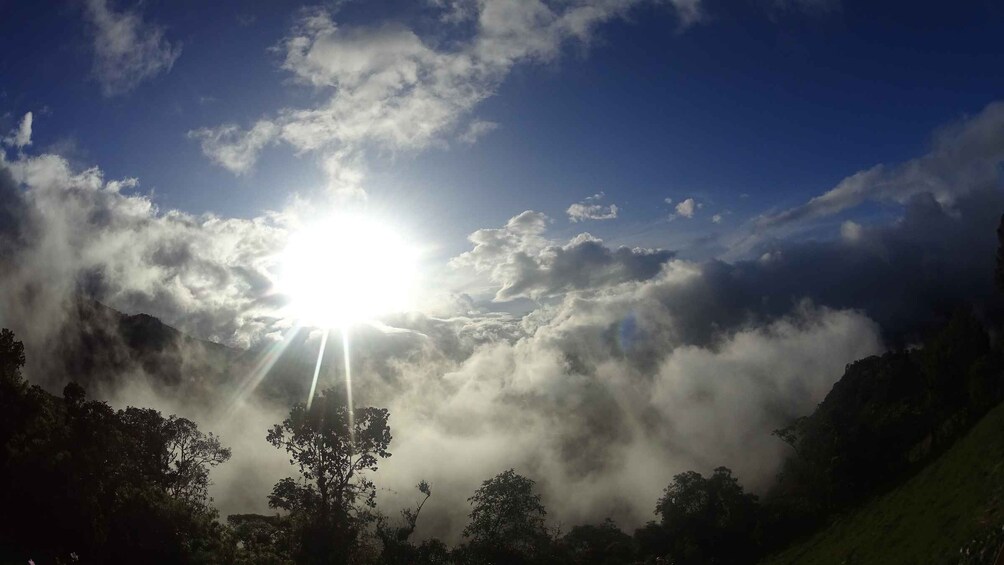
347 269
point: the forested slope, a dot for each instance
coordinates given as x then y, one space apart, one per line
949 512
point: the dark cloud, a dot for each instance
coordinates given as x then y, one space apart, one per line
964 157
583 263
906 276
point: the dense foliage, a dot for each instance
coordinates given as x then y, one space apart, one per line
332 449
80 480
506 522
887 416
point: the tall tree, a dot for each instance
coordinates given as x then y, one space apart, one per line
394 539
709 520
178 455
507 521
333 454
11 357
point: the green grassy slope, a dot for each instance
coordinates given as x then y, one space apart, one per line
927 519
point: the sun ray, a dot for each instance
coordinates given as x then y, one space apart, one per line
348 384
261 369
344 270
317 368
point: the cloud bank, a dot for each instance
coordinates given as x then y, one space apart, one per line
602 403
629 366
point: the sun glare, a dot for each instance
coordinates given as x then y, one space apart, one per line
347 269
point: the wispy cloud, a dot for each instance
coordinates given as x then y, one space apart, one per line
235 149
127 50
476 130
20 137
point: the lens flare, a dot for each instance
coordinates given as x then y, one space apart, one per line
342 271
345 270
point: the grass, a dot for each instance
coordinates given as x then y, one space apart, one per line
926 520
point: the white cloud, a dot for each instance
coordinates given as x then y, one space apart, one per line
851 231
717 218
386 88
686 208
20 137
204 274
234 149
524 264
523 233
127 50
589 209
588 408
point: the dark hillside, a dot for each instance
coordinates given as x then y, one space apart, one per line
885 419
950 512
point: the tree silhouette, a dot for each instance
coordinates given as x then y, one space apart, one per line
11 357
180 456
261 539
506 521
604 544
12 388
709 520
333 454
394 539
77 476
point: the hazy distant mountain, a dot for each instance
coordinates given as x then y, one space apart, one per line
104 349
100 347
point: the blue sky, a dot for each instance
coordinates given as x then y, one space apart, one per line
777 101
